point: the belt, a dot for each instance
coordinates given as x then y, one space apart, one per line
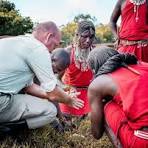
128 43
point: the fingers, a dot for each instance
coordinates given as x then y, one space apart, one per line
73 90
77 93
74 95
77 103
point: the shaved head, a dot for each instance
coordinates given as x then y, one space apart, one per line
60 60
46 26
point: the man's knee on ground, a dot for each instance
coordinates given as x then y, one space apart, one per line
51 112
47 116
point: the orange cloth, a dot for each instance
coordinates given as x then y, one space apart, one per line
77 78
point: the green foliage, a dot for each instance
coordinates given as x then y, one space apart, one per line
84 17
11 22
68 32
104 33
6 6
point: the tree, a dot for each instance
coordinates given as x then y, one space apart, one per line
6 6
84 17
12 23
68 32
104 33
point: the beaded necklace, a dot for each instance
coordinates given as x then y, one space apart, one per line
80 58
136 4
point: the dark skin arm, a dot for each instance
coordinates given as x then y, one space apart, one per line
115 16
100 87
60 74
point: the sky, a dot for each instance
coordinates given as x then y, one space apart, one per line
64 11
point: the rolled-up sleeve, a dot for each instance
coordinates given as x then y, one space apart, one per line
39 61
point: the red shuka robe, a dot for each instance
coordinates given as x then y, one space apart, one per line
132 30
133 113
77 78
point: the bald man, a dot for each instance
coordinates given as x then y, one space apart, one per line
22 58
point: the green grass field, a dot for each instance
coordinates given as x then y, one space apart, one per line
46 137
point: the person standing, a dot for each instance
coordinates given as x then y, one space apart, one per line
78 75
132 36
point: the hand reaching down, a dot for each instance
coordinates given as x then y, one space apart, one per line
75 101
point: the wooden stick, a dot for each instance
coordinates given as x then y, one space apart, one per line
131 69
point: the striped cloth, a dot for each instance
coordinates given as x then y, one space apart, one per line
141 134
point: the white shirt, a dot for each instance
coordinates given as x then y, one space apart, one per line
22 58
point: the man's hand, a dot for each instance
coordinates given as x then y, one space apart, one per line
58 95
74 101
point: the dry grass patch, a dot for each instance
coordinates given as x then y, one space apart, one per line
48 138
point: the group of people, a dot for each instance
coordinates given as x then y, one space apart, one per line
121 77
97 80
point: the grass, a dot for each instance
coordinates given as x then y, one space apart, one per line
47 138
